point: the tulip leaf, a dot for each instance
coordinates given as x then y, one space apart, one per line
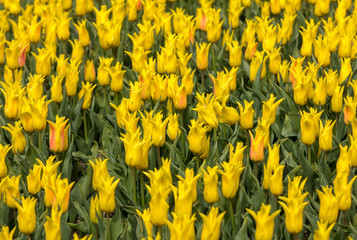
66 231
243 231
67 161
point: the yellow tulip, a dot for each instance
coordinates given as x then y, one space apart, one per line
210 179
264 222
197 139
257 61
211 224
270 107
190 182
325 136
5 234
56 89
43 62
82 31
3 152
26 215
202 55
117 75
86 94
63 22
94 209
158 205
206 111
53 224
343 188
138 58
18 140
307 128
173 130
62 64
106 189
135 101
246 114
58 135
72 78
11 190
145 216
100 172
182 227
103 73
89 71
349 110
323 230
328 205
230 179
34 179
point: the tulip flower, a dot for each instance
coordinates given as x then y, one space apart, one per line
349 110
257 61
26 215
82 32
210 179
106 189
183 199
182 227
307 126
89 71
136 149
214 27
43 62
62 64
10 190
246 114
269 108
343 188
52 225
103 73
325 136
328 205
205 110
322 52
34 179
94 209
256 152
56 89
86 93
15 54
77 51
346 70
117 75
145 216
61 193
5 234
159 88
18 140
72 78
75 237
135 101
336 100
264 222
3 152
197 139
173 130
63 22
230 179
293 205
190 182
234 16
332 82
13 96
158 205
58 135
323 230
211 224
227 115
202 55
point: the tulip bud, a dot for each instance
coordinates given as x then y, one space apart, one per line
210 181
18 140
26 215
211 224
202 55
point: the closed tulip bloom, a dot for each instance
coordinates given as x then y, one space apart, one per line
276 181
307 128
323 230
202 55
135 101
235 54
59 134
322 52
211 224
343 188
158 205
264 222
77 50
94 209
206 110
12 54
56 89
82 32
197 137
227 115
332 81
182 227
34 86
214 29
13 96
63 22
256 152
71 83
106 191
183 199
173 127
53 224
246 114
86 94
234 16
89 71
63 189
145 216
257 61
5 234
320 92
62 64
34 179
336 100
349 110
117 76
325 136
43 62
328 205
210 179
250 50
100 172
26 217
230 179
159 127
138 58
3 152
11 190
271 35
103 74
18 140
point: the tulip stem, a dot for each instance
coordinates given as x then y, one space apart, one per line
203 81
142 188
232 216
309 153
108 226
85 125
39 140
213 58
256 170
158 157
133 181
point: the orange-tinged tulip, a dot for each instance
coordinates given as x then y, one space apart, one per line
59 134
349 110
256 152
82 32
89 71
202 55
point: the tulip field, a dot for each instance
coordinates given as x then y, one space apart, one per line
178 119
